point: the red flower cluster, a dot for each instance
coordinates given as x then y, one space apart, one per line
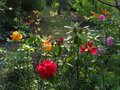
60 41
89 48
46 69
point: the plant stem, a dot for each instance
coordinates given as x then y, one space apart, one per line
86 70
103 78
40 84
77 76
78 71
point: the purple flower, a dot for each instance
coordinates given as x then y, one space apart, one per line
109 41
99 51
102 17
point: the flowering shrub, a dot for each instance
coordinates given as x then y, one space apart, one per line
51 63
104 15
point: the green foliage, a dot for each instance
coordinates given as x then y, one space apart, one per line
77 66
33 5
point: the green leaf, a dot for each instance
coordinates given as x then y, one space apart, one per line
71 58
59 51
54 51
80 36
30 40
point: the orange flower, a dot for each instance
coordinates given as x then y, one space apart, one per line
16 36
29 22
95 15
104 11
50 37
47 46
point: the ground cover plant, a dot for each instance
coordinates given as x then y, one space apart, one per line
59 45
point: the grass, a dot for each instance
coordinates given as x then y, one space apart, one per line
54 25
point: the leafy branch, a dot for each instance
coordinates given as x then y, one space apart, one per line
116 5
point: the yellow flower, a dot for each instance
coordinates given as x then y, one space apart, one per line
16 36
47 46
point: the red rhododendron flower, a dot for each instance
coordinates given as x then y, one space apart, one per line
60 41
82 49
46 69
89 44
89 48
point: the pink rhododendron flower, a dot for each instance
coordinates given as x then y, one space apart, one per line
102 17
109 41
